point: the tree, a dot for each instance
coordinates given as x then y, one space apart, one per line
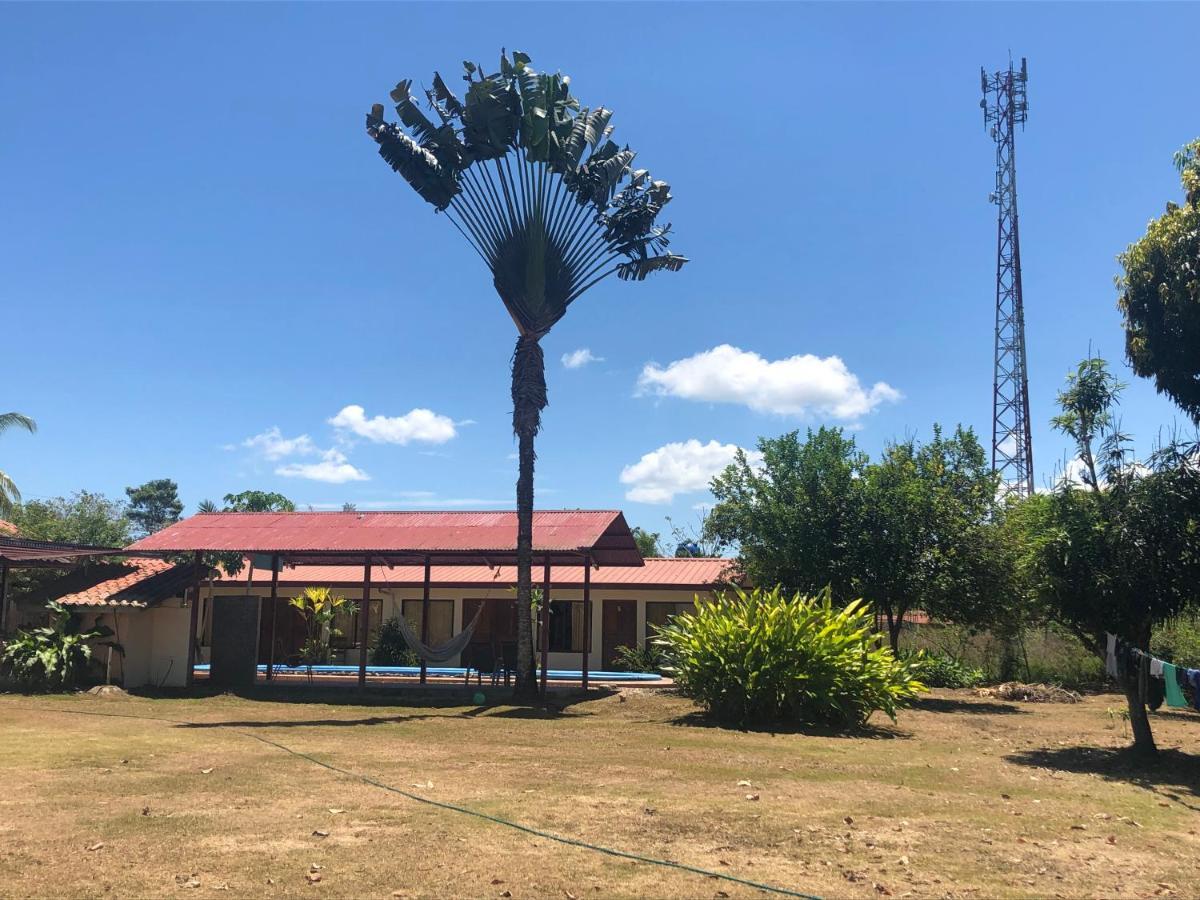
794 517
1123 554
82 518
1160 294
534 184
925 538
694 541
153 505
9 495
258 501
647 542
207 506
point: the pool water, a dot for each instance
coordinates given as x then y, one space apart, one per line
454 672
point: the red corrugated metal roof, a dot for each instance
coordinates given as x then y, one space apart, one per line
341 536
696 574
136 582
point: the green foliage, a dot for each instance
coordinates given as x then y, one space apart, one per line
795 518
941 670
82 518
763 657
258 501
153 505
647 542
1160 294
319 606
1177 640
53 657
9 495
650 658
1088 418
925 536
389 647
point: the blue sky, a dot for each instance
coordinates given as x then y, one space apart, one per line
204 262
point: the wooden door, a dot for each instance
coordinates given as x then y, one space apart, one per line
619 628
290 631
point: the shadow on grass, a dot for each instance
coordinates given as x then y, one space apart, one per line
1169 774
977 707
861 732
306 723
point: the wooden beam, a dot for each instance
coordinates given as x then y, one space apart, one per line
193 619
274 604
3 598
364 623
545 635
587 616
424 618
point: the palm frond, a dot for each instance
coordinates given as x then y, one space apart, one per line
16 420
534 183
9 495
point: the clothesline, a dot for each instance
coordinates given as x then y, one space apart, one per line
1175 678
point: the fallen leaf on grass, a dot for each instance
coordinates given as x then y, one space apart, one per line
752 796
96 846
312 877
882 889
849 820
206 771
744 783
187 881
497 881
506 893
317 832
334 811
422 784
1112 838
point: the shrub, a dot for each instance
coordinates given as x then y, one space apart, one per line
760 657
52 657
646 659
390 648
944 671
1178 640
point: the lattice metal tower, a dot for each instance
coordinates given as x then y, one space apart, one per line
1004 107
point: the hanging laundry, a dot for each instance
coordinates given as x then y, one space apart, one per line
1193 677
1110 659
1156 667
1175 698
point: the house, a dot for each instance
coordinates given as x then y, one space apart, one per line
147 602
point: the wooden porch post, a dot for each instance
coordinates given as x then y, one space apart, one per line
587 615
425 619
274 612
364 623
192 620
3 598
545 635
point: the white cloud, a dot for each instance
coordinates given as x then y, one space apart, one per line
577 359
422 425
273 445
678 468
798 385
333 468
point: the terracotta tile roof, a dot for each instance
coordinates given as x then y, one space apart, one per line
135 582
344 537
693 574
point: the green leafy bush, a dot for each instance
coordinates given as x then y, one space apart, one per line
944 671
51 658
761 658
390 648
645 659
1178 640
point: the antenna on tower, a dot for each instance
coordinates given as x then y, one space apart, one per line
1004 107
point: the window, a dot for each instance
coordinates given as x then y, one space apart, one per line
441 619
346 621
659 614
566 626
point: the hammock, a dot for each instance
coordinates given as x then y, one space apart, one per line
451 648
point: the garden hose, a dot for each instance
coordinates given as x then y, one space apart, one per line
497 820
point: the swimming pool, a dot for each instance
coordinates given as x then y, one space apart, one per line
452 672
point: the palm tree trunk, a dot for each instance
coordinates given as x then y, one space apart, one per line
529 399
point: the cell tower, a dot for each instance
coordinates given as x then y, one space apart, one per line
1005 107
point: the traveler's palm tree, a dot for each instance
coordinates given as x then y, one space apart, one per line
551 205
9 495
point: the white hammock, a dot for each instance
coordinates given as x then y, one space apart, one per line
446 651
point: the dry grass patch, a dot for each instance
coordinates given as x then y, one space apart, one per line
966 797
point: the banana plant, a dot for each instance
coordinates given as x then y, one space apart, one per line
54 656
551 204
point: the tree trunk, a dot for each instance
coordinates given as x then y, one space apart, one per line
529 399
1134 686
